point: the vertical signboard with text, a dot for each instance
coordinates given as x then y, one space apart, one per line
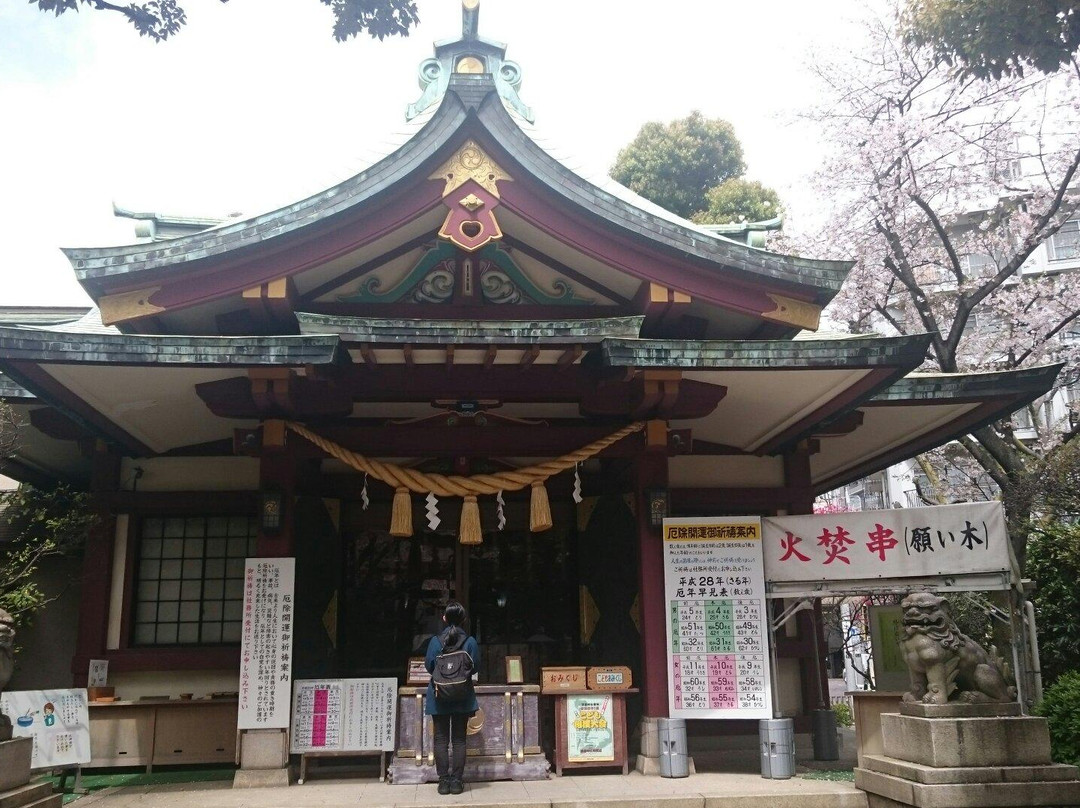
717 621
267 643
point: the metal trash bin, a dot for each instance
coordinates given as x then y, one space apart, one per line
777 737
674 758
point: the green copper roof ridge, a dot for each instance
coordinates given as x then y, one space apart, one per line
698 354
59 346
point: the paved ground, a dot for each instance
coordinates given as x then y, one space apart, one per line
581 791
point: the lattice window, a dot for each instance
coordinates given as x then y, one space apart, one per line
189 586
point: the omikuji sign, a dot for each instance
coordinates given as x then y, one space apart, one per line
901 543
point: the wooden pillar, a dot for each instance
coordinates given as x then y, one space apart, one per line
97 565
277 472
799 482
652 472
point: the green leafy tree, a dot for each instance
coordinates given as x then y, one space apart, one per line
1053 562
161 19
994 38
676 164
739 200
44 524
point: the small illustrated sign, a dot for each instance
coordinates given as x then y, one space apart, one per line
344 715
57 720
611 678
717 626
266 643
901 543
590 729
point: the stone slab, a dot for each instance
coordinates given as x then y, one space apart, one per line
1055 772
261 778
28 794
963 742
52 801
968 795
959 710
15 763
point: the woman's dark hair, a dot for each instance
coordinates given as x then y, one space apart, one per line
454 613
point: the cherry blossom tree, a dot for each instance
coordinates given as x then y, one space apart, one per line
941 187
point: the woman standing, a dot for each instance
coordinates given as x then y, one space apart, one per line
451 706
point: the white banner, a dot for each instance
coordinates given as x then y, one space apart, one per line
969 538
344 715
266 643
717 625
57 720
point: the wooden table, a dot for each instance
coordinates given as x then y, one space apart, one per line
618 757
154 732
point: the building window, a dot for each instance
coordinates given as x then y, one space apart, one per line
978 265
1065 243
190 579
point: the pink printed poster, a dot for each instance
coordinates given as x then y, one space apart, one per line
717 623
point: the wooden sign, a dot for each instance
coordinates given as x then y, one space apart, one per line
553 680
610 678
418 672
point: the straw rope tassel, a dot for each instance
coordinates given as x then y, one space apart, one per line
539 509
470 531
401 516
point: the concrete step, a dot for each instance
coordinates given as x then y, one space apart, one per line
25 795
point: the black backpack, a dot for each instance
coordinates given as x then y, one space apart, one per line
452 676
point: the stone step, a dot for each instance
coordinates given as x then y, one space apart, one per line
23 796
52 801
967 795
1047 773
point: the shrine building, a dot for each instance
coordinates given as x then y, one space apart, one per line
375 380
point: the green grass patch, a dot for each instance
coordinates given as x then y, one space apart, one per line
119 778
839 775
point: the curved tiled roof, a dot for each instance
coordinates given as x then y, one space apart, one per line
469 99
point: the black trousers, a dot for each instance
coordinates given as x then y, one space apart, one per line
450 730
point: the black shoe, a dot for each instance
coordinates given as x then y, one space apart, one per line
444 785
456 786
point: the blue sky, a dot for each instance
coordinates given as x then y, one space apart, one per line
245 110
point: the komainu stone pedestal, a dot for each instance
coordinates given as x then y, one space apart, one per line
16 790
977 760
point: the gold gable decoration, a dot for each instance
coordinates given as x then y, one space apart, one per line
470 162
410 481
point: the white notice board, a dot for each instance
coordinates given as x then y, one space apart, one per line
344 715
57 720
266 643
954 540
717 623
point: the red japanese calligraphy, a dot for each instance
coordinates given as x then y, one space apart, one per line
836 544
789 545
881 539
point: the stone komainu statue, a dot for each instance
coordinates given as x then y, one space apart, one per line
7 664
945 665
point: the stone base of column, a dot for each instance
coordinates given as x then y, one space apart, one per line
648 759
264 759
15 763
